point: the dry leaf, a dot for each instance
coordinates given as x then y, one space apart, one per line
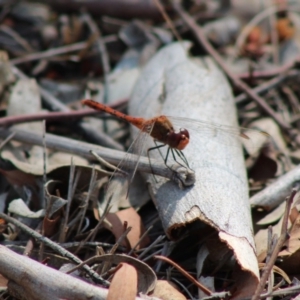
3 281
20 208
146 276
197 92
124 283
166 290
133 220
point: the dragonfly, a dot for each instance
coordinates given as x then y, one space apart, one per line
161 129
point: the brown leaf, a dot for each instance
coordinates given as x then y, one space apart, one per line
124 283
133 220
3 281
146 276
166 290
17 177
50 226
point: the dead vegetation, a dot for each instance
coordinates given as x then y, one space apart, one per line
85 214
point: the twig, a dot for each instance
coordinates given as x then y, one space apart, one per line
140 240
184 273
55 116
274 37
107 264
43 200
103 162
88 196
53 246
183 176
274 194
282 292
21 41
95 229
150 247
272 72
90 244
282 239
58 51
272 240
167 19
6 140
267 85
200 35
64 225
102 50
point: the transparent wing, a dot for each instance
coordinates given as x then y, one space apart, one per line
252 139
119 183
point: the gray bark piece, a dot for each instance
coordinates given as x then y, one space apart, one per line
198 90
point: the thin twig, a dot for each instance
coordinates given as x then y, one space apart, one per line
6 140
168 20
149 248
283 292
64 225
107 264
60 250
273 72
94 231
88 196
140 240
267 85
282 239
58 51
102 50
55 116
43 204
106 164
15 35
184 176
184 273
274 37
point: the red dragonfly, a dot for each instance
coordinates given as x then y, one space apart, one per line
161 129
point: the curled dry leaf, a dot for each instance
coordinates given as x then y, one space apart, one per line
133 220
124 283
146 276
20 208
51 226
196 91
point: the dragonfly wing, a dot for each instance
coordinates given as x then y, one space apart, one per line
252 139
121 180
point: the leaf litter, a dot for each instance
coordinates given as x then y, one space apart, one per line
50 63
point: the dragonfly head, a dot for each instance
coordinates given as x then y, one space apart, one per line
178 140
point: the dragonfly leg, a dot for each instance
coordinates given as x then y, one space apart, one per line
148 152
178 153
182 156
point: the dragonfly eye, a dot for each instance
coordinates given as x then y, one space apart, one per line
183 131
